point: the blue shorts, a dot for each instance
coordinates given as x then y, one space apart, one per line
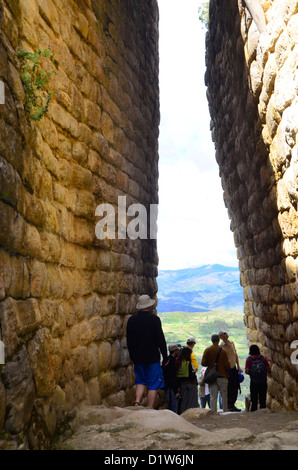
150 375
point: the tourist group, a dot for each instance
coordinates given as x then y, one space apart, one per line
217 384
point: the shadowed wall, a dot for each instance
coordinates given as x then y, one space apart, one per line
252 91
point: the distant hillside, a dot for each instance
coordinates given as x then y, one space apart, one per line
210 287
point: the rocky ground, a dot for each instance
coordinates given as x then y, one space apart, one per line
139 428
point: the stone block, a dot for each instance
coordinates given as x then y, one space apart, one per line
104 356
94 162
107 382
43 424
85 204
64 119
97 329
92 115
273 117
292 29
85 133
60 404
116 354
80 177
8 319
38 278
27 315
282 49
100 144
110 107
93 306
286 82
9 183
33 209
107 128
103 282
94 391
77 310
109 173
84 233
9 26
81 361
49 132
5 274
85 333
20 392
41 356
32 242
123 304
50 247
252 42
113 326
79 152
2 405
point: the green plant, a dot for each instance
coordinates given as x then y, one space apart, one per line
35 79
203 10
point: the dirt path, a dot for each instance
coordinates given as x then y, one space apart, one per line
257 422
131 428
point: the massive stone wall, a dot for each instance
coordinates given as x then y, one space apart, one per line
65 295
252 91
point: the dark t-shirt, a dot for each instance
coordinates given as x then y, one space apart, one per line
145 338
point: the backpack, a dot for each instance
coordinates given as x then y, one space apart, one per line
184 367
258 371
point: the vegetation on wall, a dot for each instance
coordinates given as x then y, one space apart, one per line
35 78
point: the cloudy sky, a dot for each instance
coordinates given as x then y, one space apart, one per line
193 223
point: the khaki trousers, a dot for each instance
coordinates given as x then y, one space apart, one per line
221 386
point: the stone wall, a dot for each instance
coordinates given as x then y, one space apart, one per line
65 295
252 91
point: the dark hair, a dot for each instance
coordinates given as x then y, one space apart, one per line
184 354
215 339
254 350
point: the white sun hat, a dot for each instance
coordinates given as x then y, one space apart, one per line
144 301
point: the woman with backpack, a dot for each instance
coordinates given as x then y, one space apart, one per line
257 367
187 378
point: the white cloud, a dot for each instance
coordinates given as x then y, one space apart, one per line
193 224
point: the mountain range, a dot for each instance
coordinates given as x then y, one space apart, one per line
206 288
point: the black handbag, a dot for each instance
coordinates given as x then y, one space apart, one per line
210 375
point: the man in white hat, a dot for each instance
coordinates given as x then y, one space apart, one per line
145 342
233 385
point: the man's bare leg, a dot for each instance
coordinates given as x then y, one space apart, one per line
140 389
152 394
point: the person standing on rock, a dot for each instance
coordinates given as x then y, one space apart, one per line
223 366
146 342
172 386
233 385
257 367
204 390
190 343
187 366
